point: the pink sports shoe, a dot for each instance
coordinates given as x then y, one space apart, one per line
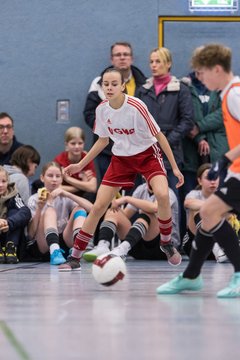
173 256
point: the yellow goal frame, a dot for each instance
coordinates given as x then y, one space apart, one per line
163 19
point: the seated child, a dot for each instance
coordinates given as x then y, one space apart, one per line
193 201
84 182
57 215
14 216
24 162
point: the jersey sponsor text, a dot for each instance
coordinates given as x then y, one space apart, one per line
121 131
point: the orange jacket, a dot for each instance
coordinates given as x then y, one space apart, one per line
232 129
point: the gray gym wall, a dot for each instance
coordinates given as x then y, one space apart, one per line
52 49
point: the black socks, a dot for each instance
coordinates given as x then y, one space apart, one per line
136 233
51 236
225 236
107 231
201 248
228 240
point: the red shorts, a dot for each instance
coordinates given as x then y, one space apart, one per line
123 170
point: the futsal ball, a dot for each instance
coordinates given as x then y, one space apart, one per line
108 269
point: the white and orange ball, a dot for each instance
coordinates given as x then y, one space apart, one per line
108 269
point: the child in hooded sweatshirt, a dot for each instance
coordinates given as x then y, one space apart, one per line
14 216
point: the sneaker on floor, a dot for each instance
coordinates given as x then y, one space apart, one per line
56 258
98 250
2 255
179 284
173 256
10 253
72 264
219 254
119 251
233 289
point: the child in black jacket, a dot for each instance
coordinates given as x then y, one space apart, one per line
14 216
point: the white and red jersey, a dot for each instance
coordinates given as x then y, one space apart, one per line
131 127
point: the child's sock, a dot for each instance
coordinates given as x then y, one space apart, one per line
135 234
52 239
107 231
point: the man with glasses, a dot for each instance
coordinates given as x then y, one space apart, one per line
8 141
122 59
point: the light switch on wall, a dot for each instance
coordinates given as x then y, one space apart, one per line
63 111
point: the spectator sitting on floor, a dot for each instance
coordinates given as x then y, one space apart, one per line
14 216
23 164
57 216
193 202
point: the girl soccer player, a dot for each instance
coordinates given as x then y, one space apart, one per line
136 137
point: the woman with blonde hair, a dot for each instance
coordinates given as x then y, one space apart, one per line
170 103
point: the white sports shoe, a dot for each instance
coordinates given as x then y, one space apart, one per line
100 249
219 254
119 251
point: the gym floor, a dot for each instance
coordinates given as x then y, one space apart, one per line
45 314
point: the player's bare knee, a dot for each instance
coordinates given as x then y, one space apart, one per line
111 216
162 199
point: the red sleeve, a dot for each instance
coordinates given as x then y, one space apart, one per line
62 159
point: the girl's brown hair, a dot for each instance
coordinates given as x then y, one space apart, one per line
23 155
200 171
48 165
202 168
109 70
